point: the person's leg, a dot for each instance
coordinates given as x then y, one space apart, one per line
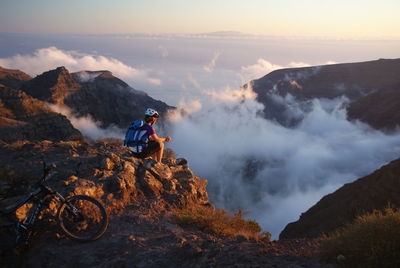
156 150
158 155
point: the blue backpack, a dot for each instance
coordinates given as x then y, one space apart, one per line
136 137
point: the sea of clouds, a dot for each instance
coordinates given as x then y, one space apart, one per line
273 172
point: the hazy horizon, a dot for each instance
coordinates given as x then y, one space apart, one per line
330 18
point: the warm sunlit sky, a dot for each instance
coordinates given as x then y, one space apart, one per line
316 18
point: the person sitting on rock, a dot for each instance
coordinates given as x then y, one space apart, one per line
143 139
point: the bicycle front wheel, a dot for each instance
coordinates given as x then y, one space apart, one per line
83 218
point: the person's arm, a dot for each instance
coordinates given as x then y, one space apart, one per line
154 137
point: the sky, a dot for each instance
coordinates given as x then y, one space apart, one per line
311 18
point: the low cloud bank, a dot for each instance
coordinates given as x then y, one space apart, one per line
45 59
85 76
87 126
264 67
274 172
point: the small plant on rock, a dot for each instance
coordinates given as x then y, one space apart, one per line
219 222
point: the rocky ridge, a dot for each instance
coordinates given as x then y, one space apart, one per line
373 192
363 83
98 94
52 86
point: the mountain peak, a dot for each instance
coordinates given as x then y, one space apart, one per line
52 86
103 77
61 69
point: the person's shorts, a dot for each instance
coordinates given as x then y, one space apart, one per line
152 147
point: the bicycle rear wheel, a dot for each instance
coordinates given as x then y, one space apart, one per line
83 218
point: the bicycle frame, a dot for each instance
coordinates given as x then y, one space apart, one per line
22 230
25 225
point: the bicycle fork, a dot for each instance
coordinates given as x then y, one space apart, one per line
70 207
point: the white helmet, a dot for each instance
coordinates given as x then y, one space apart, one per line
152 113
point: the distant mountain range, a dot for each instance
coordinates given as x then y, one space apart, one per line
373 90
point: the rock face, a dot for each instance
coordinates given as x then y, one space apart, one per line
103 170
52 86
13 78
380 109
23 117
99 94
110 100
362 83
374 191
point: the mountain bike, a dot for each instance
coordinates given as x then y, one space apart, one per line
80 217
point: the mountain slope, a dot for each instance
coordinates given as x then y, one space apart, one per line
381 110
23 117
13 78
52 86
111 101
374 191
104 97
356 81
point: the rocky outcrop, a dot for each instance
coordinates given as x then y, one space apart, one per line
362 83
141 197
25 118
13 78
52 86
375 191
104 170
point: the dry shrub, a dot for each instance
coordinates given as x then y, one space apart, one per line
372 240
219 222
169 153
